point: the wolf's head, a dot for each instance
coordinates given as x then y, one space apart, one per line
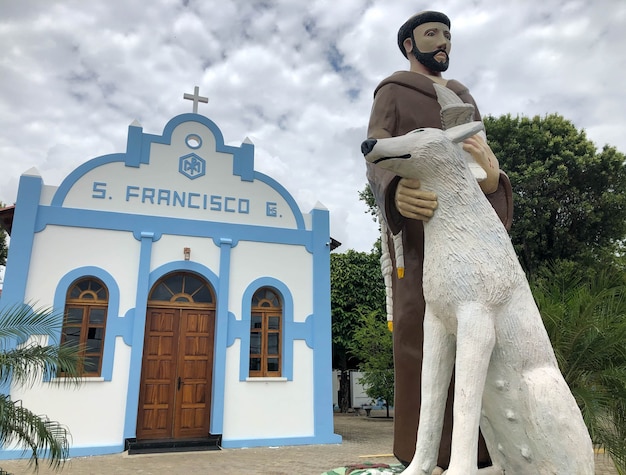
413 154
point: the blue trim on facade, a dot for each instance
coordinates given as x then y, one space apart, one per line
139 325
241 328
285 194
76 217
322 356
17 454
138 148
133 146
70 180
304 331
20 250
115 325
159 225
23 233
244 164
216 424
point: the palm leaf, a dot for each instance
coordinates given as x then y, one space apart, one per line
25 362
29 431
585 317
21 321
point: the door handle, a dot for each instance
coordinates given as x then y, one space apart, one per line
180 381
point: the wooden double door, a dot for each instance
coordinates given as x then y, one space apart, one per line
176 374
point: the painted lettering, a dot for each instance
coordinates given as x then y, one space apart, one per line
131 192
216 203
190 204
99 190
244 206
180 198
148 195
183 199
226 207
271 209
163 197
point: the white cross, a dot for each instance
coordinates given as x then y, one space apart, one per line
196 97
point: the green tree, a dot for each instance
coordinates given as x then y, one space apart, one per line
367 197
584 312
569 199
3 247
356 288
25 365
372 344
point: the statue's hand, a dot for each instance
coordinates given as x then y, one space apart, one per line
414 203
477 146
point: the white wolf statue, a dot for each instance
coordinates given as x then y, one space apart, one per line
481 318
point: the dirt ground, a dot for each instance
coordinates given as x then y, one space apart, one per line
364 439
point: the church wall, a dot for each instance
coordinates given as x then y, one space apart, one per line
115 218
58 250
253 260
170 248
268 411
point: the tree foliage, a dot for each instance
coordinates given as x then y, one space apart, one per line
356 289
585 316
569 199
3 247
24 365
373 345
367 197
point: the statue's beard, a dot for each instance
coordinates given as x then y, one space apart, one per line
428 59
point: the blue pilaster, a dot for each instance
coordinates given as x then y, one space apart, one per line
22 238
221 337
322 357
139 326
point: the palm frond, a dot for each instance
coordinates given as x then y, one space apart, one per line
29 364
22 320
585 316
43 437
24 362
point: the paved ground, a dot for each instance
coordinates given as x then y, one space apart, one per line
364 439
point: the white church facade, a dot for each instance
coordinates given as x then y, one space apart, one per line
199 289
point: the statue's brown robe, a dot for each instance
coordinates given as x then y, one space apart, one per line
403 102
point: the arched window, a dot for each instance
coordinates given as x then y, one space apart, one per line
85 322
181 288
265 333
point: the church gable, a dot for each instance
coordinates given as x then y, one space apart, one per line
188 173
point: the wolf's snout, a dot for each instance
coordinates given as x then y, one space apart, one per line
367 146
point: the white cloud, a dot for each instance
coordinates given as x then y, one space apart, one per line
296 76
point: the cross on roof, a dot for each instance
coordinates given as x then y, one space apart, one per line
196 97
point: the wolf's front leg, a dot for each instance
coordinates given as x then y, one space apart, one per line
475 340
437 365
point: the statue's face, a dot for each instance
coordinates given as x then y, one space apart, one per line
432 45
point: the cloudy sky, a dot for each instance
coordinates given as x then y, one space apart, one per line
295 76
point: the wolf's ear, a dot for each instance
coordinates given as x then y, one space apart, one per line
461 132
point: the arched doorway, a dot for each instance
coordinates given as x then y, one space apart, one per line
176 373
